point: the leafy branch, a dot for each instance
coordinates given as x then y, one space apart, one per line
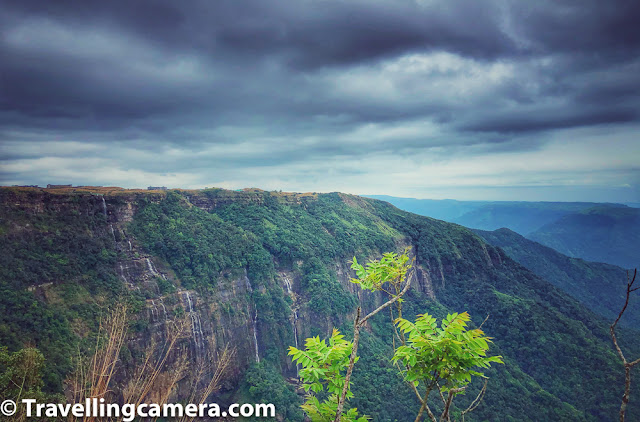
443 357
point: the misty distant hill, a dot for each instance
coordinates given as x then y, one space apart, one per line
603 233
519 216
601 287
442 209
592 231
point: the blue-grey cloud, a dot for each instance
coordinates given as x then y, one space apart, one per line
202 92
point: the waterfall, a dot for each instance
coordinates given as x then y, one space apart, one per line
255 318
122 273
255 335
196 328
154 310
294 312
247 282
164 309
104 207
295 327
152 269
113 233
130 247
295 336
287 283
124 278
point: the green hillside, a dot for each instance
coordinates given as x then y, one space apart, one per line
559 364
601 287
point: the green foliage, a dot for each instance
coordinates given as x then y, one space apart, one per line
448 353
600 287
65 255
20 373
391 268
265 384
326 294
556 342
378 387
558 358
198 245
323 367
165 286
21 377
323 228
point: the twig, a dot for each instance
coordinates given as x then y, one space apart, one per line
476 402
627 365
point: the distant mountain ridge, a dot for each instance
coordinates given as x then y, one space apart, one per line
521 217
602 233
599 232
442 209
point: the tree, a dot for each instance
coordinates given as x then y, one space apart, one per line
392 269
322 370
322 363
442 358
627 365
21 378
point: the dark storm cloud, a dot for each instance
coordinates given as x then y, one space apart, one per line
551 119
240 41
604 28
278 83
310 32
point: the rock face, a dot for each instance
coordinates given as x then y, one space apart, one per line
259 314
224 317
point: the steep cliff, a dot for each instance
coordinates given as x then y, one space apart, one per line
260 271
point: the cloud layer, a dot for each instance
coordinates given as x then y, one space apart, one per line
471 100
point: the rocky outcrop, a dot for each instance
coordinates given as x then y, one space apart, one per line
224 316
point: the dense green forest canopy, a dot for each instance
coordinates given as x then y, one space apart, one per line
559 363
599 286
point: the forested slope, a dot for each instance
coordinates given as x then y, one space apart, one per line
275 266
599 286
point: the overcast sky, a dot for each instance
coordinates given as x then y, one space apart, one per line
498 100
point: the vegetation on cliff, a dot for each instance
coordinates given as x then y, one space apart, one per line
600 287
559 364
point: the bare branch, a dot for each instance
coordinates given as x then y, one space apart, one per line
629 290
452 393
485 320
476 402
627 365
